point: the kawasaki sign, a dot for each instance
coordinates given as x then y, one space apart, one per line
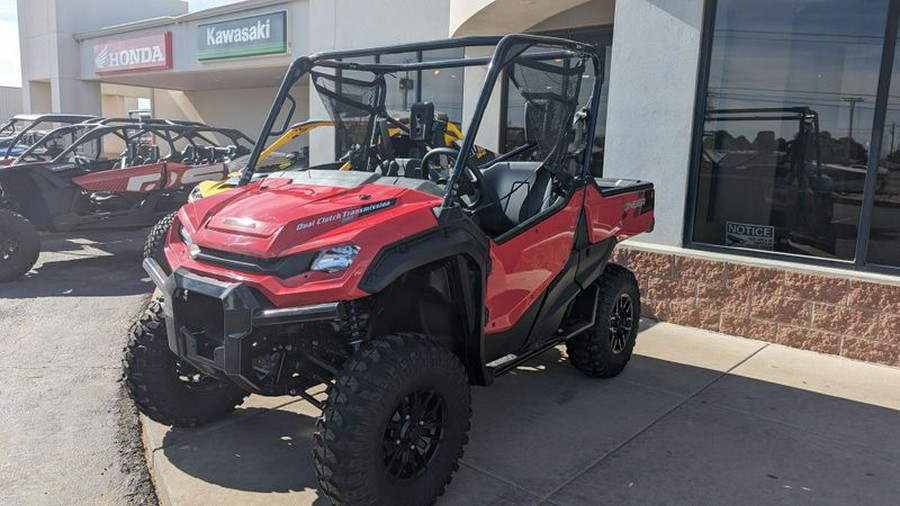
250 36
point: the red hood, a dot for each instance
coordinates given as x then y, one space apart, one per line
276 217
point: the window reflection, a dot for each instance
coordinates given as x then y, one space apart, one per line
884 236
401 86
787 128
444 87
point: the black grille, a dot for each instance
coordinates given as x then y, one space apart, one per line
282 267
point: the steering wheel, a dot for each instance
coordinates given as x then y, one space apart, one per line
81 162
470 186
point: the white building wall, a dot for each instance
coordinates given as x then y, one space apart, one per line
217 107
653 81
10 102
184 40
50 54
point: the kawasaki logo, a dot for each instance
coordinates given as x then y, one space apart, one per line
262 30
260 34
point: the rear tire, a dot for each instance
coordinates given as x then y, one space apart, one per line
156 241
603 351
394 425
165 390
20 245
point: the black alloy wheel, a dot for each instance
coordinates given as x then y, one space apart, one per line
414 433
620 323
10 246
19 245
603 350
394 425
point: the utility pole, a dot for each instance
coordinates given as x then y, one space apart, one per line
893 126
852 101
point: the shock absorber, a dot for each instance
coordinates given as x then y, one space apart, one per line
355 324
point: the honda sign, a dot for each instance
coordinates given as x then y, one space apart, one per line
148 52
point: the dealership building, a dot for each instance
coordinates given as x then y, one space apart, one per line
769 127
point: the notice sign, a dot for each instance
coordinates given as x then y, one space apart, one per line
237 38
148 52
745 235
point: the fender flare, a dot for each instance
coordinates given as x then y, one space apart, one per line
460 242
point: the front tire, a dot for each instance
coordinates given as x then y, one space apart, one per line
394 425
156 241
604 350
20 245
166 390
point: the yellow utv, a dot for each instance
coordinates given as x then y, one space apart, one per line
272 160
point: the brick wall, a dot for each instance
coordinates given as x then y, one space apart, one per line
827 314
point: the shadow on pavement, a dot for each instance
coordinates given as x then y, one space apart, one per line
268 453
662 432
103 263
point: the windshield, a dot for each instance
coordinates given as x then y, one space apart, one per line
391 106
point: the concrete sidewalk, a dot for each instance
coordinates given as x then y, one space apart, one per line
696 418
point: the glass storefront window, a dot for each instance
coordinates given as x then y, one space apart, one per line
787 128
401 87
884 235
444 87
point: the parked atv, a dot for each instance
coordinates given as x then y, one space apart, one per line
398 284
123 175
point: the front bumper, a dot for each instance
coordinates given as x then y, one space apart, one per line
209 322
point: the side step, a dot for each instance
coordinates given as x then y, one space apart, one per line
508 362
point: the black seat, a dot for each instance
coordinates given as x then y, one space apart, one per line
514 193
404 167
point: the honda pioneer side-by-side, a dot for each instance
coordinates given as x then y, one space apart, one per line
402 282
272 159
115 174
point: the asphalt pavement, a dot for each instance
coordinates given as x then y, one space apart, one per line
67 435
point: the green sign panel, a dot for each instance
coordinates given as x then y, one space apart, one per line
237 38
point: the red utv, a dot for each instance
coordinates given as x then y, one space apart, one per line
104 175
404 281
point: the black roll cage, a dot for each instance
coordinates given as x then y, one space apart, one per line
506 50
128 130
35 120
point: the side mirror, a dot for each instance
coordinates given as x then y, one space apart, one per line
421 121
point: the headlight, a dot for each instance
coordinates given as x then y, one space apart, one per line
335 259
196 193
189 241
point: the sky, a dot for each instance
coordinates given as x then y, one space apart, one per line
10 66
10 71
